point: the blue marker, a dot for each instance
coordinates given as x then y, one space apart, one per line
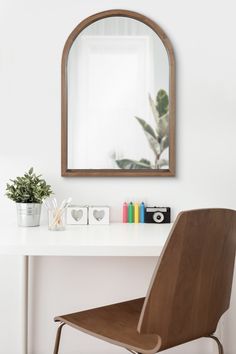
142 213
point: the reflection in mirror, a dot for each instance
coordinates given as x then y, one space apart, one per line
118 98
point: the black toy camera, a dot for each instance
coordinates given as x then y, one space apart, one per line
157 215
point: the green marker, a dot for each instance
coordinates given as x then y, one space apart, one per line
131 213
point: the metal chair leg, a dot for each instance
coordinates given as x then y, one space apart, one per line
58 337
220 346
131 351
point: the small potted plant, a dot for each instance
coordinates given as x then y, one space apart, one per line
28 192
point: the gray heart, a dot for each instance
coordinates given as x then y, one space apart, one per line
76 214
98 214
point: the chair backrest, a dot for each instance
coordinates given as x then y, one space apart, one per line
191 285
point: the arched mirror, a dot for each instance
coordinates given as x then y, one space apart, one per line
118 98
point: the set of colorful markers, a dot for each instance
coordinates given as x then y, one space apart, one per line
133 213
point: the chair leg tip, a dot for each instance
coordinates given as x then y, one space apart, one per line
220 346
58 337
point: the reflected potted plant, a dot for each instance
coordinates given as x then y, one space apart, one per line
157 136
28 192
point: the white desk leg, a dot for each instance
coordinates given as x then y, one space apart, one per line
24 305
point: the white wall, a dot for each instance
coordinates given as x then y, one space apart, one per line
32 35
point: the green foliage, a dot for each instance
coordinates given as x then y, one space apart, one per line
28 188
158 138
154 110
150 135
146 127
132 164
162 103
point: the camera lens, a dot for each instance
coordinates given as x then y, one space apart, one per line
158 217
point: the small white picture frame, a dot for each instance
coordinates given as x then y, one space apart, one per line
99 215
77 215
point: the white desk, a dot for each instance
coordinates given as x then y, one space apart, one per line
146 240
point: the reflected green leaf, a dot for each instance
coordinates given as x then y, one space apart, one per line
162 128
162 102
150 135
164 143
146 127
132 164
154 110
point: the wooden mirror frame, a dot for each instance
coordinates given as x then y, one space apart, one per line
65 171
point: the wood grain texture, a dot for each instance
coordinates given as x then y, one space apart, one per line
191 286
189 291
65 171
116 324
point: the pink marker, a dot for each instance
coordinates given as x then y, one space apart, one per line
125 213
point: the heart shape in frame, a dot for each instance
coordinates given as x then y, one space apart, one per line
98 214
77 214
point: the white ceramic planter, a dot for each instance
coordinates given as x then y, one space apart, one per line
28 214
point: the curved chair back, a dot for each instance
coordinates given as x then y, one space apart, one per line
191 286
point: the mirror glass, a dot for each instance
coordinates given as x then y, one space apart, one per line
118 97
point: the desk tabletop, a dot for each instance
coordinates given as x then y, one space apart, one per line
85 240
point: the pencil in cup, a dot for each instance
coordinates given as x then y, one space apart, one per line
56 219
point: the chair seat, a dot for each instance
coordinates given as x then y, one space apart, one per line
116 324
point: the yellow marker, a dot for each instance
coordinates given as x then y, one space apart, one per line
136 213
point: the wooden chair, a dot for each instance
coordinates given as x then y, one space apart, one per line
189 291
